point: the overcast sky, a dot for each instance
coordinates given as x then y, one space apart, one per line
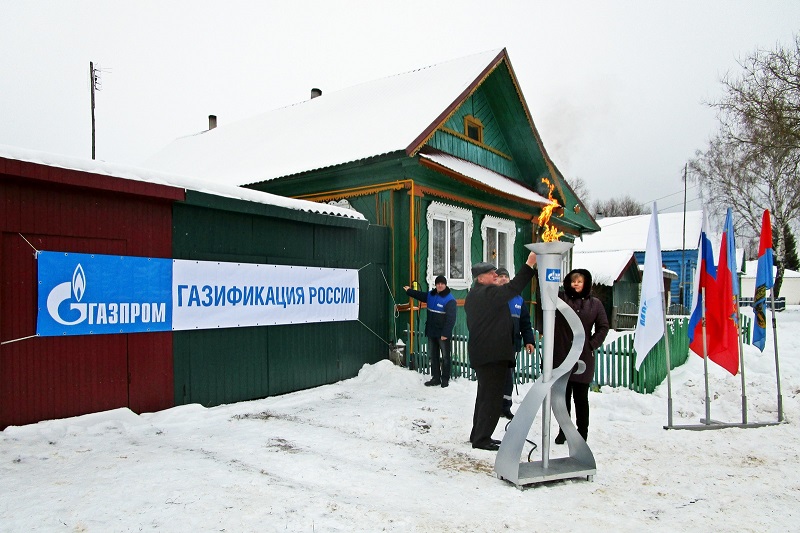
617 89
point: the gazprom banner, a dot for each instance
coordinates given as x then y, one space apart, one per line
85 294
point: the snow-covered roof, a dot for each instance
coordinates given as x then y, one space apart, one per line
630 233
371 119
487 177
606 267
174 180
752 269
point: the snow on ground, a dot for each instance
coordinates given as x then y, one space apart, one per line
381 452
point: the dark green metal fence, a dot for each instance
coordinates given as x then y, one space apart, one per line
614 361
212 367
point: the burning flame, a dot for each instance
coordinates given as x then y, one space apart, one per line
550 233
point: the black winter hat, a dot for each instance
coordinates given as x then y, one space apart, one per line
440 279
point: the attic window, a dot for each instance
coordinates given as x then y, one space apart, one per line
473 128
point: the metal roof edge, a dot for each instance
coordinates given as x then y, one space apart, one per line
238 205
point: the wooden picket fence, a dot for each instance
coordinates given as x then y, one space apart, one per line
614 361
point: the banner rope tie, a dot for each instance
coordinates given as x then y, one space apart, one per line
36 252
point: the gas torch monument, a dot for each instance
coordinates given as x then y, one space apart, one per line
549 390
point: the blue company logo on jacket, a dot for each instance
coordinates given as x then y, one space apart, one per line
515 305
437 302
441 313
101 295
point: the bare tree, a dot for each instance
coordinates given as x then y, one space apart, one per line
753 162
619 207
580 188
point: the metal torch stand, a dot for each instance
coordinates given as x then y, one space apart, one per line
549 391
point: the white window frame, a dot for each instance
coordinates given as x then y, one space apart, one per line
500 225
447 213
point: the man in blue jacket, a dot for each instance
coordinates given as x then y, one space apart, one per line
438 328
523 333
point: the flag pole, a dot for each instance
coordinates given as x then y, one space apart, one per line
705 356
741 355
669 363
777 365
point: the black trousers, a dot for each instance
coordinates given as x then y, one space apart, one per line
440 358
488 402
508 390
580 393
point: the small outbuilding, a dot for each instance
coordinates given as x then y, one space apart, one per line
616 279
76 206
790 288
679 235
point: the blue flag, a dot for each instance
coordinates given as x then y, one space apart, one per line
764 281
730 244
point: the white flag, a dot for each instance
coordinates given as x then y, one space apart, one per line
650 325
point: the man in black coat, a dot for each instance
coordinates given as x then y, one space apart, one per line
523 334
491 344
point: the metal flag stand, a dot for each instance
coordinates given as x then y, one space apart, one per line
580 462
708 422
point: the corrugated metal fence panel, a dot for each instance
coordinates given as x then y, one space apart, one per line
45 378
245 363
368 251
221 366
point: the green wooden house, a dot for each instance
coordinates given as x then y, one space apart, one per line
447 157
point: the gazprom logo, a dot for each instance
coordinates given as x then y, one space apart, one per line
66 291
97 313
553 274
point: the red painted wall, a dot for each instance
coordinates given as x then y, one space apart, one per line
65 210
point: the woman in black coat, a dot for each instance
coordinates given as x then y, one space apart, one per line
590 310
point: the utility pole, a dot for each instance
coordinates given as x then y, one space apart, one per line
682 282
92 83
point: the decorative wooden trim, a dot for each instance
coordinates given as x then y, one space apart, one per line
506 226
354 191
420 191
447 212
465 138
492 208
475 203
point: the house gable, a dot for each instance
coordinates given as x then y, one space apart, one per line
510 145
493 153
